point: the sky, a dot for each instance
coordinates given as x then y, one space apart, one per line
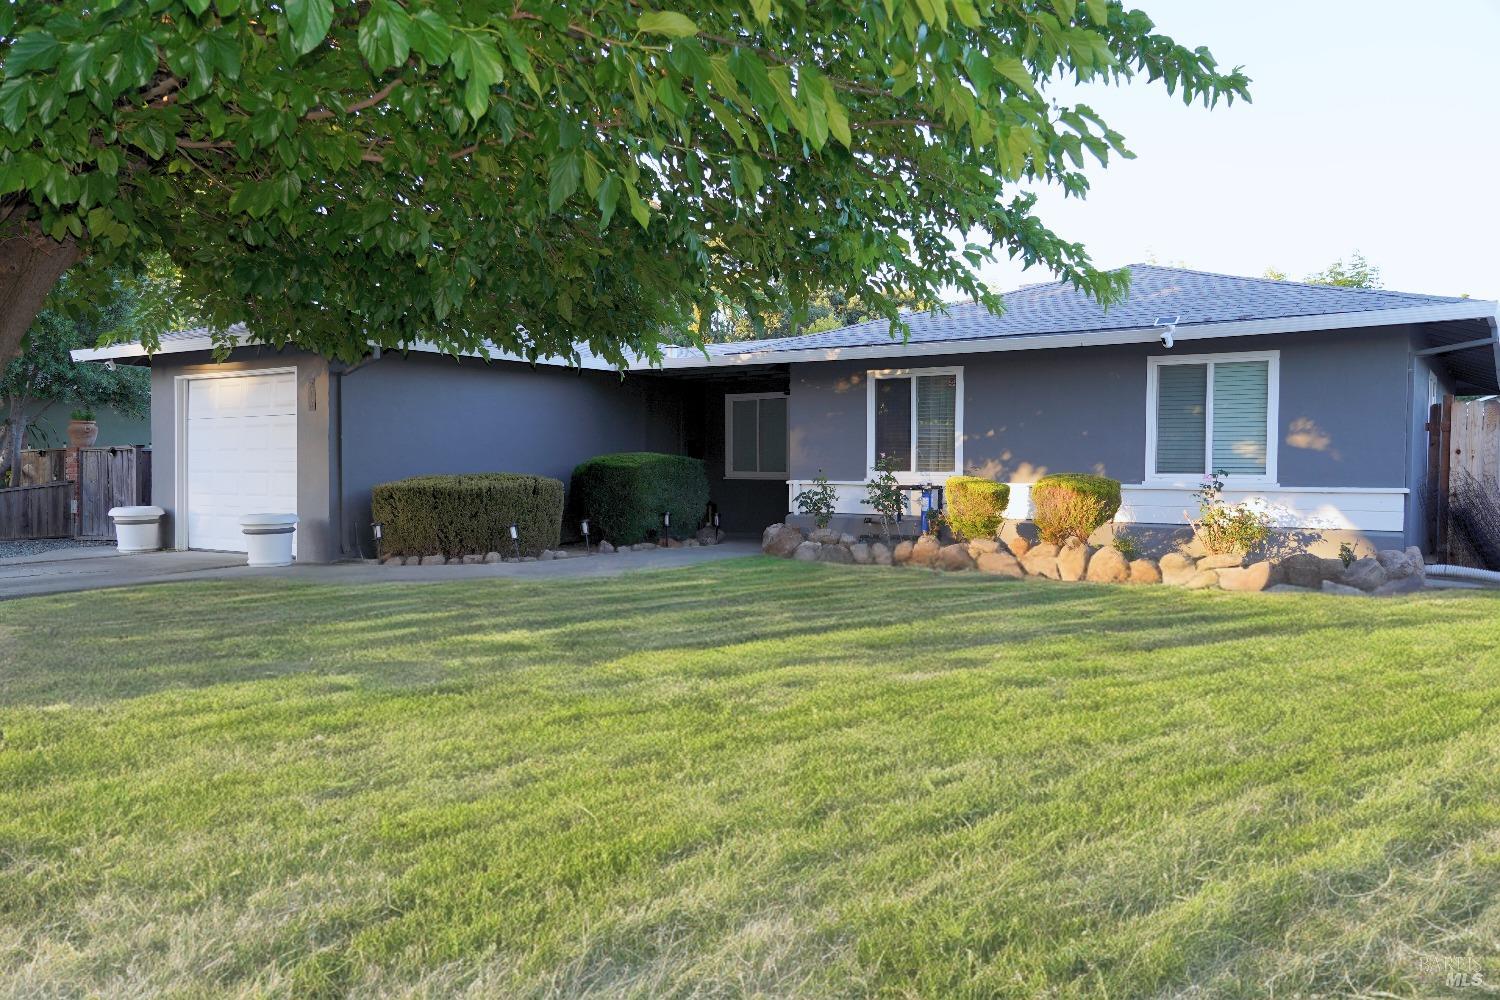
1375 126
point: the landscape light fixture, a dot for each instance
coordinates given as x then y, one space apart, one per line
515 540
586 536
666 528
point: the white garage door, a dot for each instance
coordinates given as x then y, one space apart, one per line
241 454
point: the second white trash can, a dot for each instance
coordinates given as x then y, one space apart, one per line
268 538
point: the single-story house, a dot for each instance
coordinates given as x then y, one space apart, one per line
1313 398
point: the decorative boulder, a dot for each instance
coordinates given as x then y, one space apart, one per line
433 560
1017 544
707 535
1414 556
902 553
980 546
494 557
880 553
1072 559
769 533
1227 560
847 539
1144 571
823 536
1365 574
807 551
1203 579
954 557
472 558
1329 587
1303 570
1405 585
1041 560
835 554
605 548
1256 576
1177 568
783 542
925 550
861 553
1108 566
1000 563
1396 563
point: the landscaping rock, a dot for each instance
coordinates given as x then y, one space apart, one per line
433 561
783 542
954 557
835 554
1366 574
1414 556
880 553
925 550
708 535
902 553
473 559
1405 585
493 557
847 539
1018 545
823 536
769 533
1256 576
861 553
1177 568
1041 560
1303 570
690 543
807 551
605 548
1329 587
1000 563
1108 566
1144 571
1203 579
1333 569
980 546
1398 564
1291 588
1072 559
1225 561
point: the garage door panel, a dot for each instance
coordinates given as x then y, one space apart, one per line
241 453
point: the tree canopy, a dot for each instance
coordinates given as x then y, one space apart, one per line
1357 273
336 173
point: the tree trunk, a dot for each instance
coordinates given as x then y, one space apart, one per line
30 264
15 438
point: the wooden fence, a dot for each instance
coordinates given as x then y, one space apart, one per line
110 477
43 466
1463 462
40 511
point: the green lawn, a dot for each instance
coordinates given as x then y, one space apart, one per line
750 778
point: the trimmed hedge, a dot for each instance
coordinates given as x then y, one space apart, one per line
1073 504
624 495
459 515
976 507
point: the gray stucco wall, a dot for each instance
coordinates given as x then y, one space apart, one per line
1343 411
316 531
426 414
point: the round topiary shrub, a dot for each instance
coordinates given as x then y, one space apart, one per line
460 515
624 495
1072 505
975 506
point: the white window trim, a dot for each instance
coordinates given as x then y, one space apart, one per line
1273 423
729 473
912 477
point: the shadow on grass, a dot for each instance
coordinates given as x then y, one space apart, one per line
97 647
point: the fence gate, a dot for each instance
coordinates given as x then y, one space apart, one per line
1463 462
110 477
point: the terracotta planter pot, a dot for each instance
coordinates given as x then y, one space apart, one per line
82 433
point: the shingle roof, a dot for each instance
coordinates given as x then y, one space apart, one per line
1155 292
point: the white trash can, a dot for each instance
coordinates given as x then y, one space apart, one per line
137 529
268 538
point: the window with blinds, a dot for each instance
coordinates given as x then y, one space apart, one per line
916 422
755 437
1212 416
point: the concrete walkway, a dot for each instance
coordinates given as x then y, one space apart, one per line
77 569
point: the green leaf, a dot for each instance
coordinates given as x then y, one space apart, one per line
608 198
310 20
431 36
15 101
667 22
31 50
198 6
562 179
477 63
762 9
838 119
1098 11
384 36
76 67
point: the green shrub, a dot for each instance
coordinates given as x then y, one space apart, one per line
819 501
458 515
1073 505
975 506
624 495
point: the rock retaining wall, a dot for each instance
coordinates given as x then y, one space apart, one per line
1390 571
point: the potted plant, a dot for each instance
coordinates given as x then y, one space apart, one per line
83 431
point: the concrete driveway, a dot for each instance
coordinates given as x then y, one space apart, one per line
97 568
